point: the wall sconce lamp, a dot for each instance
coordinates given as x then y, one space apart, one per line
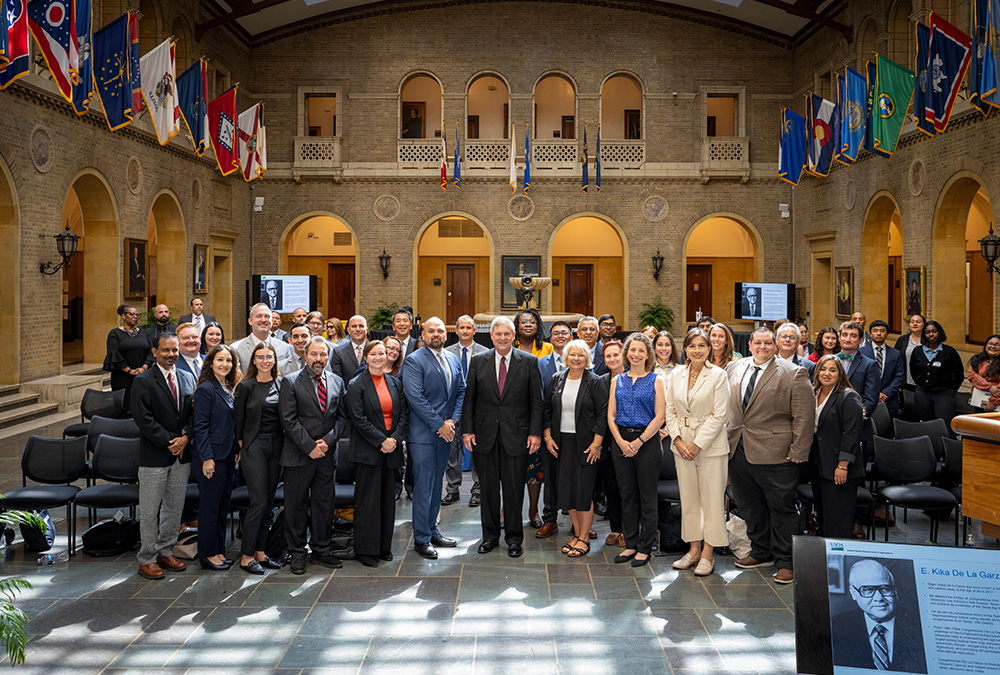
383 262
66 243
989 246
657 264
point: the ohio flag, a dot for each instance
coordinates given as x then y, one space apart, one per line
53 27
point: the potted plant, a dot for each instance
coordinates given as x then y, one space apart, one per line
656 314
13 621
382 317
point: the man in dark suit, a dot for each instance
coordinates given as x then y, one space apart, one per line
402 324
276 332
548 366
163 323
137 273
197 315
310 402
435 389
772 413
861 371
162 409
880 634
587 330
501 425
788 343
751 302
298 338
346 358
889 361
464 349
272 295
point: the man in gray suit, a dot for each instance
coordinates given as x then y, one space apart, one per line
313 417
260 327
298 338
771 419
464 349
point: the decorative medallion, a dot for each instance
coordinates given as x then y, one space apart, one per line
196 193
386 208
520 207
917 176
655 208
133 175
850 195
41 149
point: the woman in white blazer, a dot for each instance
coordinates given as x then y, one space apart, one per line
696 413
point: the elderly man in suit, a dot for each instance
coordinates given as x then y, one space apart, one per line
464 349
771 419
162 408
502 425
435 389
260 331
346 359
313 416
197 315
788 339
588 331
881 634
892 372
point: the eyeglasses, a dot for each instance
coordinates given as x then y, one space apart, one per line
886 591
528 322
264 357
131 313
561 333
314 323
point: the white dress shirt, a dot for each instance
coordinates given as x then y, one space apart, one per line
177 383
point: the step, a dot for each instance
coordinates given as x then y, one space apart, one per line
8 389
12 401
26 413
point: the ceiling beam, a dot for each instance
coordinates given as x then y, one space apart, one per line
240 8
806 9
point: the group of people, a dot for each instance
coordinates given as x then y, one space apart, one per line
585 416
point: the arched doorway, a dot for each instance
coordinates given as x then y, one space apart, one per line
554 108
621 108
453 267
719 251
324 245
420 107
10 309
958 278
73 285
167 254
588 255
100 282
881 270
487 108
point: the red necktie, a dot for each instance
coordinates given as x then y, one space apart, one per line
173 387
502 374
321 389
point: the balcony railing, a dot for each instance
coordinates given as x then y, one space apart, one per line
486 154
552 154
419 152
621 154
725 157
317 156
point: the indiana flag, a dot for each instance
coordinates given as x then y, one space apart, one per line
792 149
111 72
823 135
192 86
222 121
948 56
893 91
527 158
852 115
83 88
989 89
157 75
457 172
920 93
51 23
252 140
585 176
513 164
14 25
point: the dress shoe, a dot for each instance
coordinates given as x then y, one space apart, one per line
426 550
535 523
170 563
592 534
228 561
409 496
442 541
639 562
269 564
450 498
749 563
684 563
207 564
488 546
252 567
624 557
514 551
151 571
367 560
859 531
705 567
385 555
328 560
298 565
547 530
783 576
475 500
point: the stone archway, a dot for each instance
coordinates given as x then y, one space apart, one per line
453 267
166 235
325 245
10 309
589 249
880 297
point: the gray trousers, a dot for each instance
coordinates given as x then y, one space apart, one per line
161 499
453 472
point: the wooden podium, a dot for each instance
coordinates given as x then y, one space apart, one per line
981 468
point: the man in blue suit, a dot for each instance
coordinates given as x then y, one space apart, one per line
890 364
861 370
435 390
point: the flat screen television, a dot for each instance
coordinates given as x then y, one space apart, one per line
755 301
283 292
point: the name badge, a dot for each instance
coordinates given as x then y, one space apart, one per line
936 364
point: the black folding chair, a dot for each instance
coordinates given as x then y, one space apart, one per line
116 460
103 403
901 463
953 472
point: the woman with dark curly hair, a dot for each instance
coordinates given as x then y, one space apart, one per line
984 376
528 333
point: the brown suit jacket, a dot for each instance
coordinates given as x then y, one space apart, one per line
780 417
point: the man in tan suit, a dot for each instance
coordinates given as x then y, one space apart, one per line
771 421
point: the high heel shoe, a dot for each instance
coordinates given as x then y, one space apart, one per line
207 564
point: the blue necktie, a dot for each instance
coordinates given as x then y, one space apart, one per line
465 362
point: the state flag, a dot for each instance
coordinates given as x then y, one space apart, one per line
893 91
823 135
192 86
222 120
253 143
159 91
792 148
981 17
853 115
585 177
457 172
135 79
948 55
112 74
83 88
870 113
51 24
920 94
513 164
527 158
14 26
5 7
444 163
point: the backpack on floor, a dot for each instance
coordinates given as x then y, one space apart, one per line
36 539
342 541
111 537
277 543
186 547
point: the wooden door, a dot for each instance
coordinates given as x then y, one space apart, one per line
895 286
461 291
568 126
699 291
340 291
579 298
980 299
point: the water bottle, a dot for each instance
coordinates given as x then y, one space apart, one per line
970 541
53 558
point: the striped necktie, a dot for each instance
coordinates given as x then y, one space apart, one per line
880 359
880 653
321 391
750 386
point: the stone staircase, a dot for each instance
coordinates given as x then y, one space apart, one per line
18 407
36 404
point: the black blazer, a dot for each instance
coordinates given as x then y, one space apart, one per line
851 646
838 436
158 420
343 362
214 425
189 318
368 423
303 421
247 408
591 410
511 417
900 347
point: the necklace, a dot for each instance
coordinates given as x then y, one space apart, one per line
132 333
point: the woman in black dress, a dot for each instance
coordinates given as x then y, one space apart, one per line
259 433
129 352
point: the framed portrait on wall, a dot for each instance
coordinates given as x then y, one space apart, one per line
913 291
845 291
414 119
136 266
518 266
200 269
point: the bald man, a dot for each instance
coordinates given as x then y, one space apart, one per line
345 359
163 323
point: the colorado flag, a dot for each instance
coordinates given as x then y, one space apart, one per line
824 135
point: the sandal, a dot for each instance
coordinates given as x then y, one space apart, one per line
569 546
575 552
615 539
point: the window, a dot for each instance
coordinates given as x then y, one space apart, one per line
555 108
420 108
487 104
319 113
621 108
721 117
